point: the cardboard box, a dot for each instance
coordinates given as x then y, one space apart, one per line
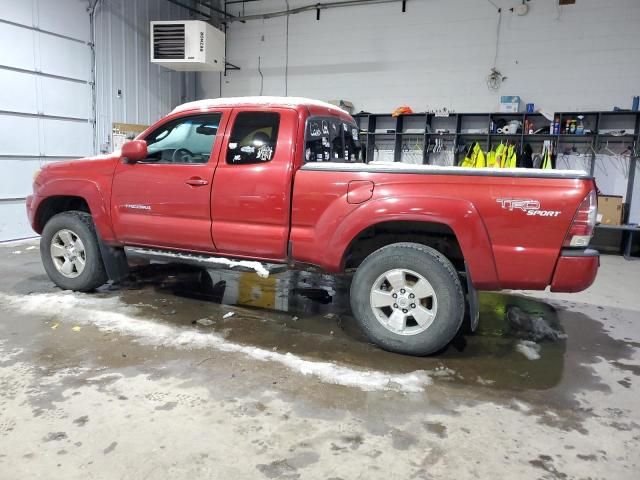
509 104
610 209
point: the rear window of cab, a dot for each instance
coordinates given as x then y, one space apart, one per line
330 139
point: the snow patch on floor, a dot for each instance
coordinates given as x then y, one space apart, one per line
110 315
529 349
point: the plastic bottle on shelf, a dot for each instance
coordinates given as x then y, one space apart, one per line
580 125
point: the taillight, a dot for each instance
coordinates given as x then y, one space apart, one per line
584 222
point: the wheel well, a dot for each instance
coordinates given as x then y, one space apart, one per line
435 235
54 205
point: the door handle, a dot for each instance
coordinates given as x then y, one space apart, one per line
197 182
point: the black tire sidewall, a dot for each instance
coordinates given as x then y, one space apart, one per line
80 223
443 278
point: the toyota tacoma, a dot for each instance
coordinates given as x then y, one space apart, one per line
255 182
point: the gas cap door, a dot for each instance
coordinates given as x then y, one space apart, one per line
359 191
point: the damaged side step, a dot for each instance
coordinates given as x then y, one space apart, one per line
206 261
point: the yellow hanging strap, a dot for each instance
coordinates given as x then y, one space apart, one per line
491 158
546 160
500 154
474 157
479 154
511 157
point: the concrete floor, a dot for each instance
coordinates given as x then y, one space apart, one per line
150 381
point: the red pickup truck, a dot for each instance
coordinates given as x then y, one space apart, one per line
255 181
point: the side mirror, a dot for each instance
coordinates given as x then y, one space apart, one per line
134 151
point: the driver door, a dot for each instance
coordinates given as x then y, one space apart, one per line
164 200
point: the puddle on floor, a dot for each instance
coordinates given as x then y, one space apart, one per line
308 314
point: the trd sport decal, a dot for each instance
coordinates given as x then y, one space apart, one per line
530 207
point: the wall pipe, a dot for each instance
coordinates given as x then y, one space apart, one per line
94 75
305 8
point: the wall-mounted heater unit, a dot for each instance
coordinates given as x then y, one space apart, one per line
190 45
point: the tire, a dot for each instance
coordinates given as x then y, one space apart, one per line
64 230
431 322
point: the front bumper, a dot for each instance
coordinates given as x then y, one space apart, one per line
32 204
575 271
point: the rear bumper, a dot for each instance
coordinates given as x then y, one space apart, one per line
575 271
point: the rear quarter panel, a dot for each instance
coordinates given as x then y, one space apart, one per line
503 248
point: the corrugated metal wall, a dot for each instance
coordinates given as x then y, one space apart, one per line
147 91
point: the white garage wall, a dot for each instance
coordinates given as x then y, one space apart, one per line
438 54
46 108
122 53
580 57
45 99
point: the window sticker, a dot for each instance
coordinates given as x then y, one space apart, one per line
237 158
314 129
325 127
319 157
233 146
325 142
354 133
264 153
326 155
248 149
307 154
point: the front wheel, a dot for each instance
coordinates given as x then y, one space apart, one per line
70 252
407 298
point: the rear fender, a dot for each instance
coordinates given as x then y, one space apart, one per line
459 215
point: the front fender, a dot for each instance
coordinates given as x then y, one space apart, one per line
90 191
459 215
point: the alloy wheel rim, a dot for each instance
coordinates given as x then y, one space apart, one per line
68 253
403 301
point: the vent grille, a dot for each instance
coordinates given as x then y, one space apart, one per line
168 41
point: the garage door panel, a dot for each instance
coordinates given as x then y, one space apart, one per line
18 135
18 12
18 92
67 17
56 95
66 138
59 56
13 221
18 184
21 57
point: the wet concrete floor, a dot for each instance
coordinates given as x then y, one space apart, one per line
485 409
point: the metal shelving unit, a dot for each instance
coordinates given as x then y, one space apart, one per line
383 128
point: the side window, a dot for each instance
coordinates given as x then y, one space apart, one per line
329 139
184 140
253 138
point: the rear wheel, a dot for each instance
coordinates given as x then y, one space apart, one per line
407 298
70 252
